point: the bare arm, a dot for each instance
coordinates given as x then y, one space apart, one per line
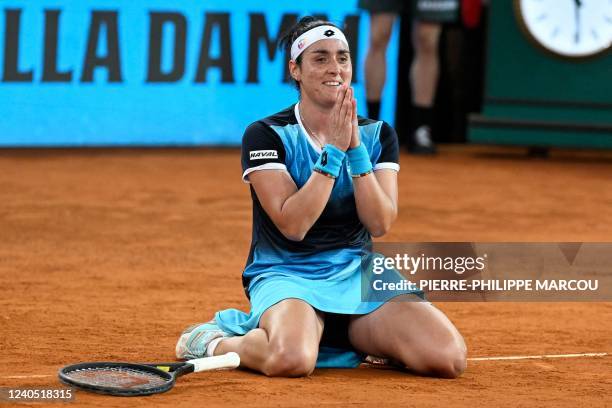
375 193
293 211
376 200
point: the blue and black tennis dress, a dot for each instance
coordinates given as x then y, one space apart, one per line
324 268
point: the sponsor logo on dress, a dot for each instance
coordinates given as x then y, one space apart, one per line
263 154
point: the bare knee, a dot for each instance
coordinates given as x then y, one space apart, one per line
448 363
290 362
379 42
425 38
380 32
443 362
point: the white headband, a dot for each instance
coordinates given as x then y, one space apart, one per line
325 32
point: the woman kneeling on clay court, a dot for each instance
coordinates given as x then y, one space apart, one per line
323 182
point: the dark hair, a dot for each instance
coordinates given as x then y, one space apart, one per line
306 23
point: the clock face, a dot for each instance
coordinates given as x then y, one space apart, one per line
570 28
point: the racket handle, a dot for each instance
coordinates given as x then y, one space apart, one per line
229 360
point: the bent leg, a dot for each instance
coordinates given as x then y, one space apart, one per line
413 333
285 344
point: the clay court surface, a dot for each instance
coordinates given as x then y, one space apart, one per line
109 254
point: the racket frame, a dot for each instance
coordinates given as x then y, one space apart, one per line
166 371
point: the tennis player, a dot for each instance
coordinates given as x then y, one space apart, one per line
323 182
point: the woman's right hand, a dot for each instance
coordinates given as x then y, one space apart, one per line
340 126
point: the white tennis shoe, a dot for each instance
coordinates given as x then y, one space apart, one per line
195 339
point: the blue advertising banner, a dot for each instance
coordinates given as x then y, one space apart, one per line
156 72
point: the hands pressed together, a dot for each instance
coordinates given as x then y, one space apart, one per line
343 128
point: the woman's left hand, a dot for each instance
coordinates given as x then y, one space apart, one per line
355 141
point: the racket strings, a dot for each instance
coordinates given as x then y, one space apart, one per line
119 377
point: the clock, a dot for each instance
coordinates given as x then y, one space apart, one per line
567 28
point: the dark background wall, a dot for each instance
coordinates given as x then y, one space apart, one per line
461 82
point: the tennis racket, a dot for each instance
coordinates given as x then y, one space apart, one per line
127 379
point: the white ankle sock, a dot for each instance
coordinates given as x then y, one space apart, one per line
210 350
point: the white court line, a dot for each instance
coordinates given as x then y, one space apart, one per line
469 359
537 357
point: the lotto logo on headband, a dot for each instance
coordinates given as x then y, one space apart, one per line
325 32
263 154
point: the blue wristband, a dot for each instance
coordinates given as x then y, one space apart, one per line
330 161
359 161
